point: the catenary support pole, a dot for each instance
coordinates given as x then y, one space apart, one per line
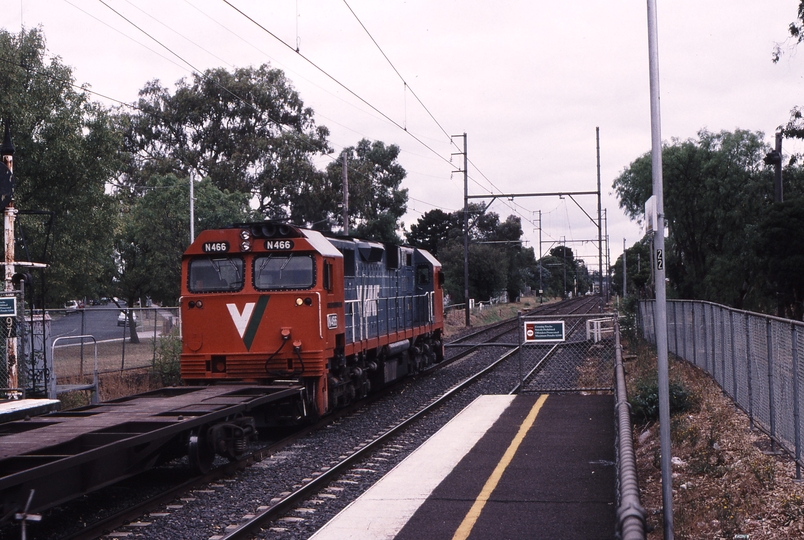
466 232
624 272
599 218
9 219
345 175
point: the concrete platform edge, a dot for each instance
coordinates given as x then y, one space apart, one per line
382 511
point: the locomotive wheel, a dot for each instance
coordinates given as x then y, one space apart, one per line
199 452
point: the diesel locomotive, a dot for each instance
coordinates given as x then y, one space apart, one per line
280 325
272 303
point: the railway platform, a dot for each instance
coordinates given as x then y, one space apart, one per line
18 409
507 467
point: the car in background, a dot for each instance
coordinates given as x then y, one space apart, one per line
122 319
71 306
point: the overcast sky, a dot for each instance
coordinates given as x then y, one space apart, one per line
527 81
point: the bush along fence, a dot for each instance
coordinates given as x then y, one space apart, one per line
753 357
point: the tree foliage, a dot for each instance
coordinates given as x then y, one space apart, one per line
434 230
376 201
796 31
66 152
795 125
497 261
637 269
780 245
714 188
718 204
563 274
248 131
156 231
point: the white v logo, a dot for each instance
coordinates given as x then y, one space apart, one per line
241 319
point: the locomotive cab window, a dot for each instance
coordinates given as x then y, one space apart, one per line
215 274
284 271
423 274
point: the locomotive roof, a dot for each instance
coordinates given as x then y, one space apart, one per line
320 240
320 243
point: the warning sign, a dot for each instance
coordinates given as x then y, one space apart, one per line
544 331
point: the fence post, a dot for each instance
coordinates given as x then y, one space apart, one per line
722 349
520 333
684 329
748 365
733 358
796 402
694 336
675 330
769 328
704 327
83 332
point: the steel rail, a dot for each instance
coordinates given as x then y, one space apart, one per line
247 529
137 510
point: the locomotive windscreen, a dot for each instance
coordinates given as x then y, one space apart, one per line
215 274
286 271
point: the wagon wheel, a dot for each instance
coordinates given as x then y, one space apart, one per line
199 451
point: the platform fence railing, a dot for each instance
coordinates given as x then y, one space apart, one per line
631 524
755 358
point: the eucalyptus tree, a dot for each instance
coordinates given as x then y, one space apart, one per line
247 130
67 150
376 200
717 187
155 231
434 229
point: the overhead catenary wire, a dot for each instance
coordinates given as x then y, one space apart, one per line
217 83
334 79
197 70
408 88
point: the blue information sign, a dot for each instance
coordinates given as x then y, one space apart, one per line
8 306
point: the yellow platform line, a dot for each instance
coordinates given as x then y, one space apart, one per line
469 521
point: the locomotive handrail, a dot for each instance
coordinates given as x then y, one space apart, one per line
320 327
360 330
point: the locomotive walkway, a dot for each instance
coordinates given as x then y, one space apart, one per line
507 467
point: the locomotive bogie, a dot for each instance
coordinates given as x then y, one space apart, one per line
270 302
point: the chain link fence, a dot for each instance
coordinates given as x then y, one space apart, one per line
567 353
43 368
753 357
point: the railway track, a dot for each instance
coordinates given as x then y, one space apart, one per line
281 495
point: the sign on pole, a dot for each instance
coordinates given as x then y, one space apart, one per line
8 306
544 331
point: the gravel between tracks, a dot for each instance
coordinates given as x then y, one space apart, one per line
206 513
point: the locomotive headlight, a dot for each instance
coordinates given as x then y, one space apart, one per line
299 301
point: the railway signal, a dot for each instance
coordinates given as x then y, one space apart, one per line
9 217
